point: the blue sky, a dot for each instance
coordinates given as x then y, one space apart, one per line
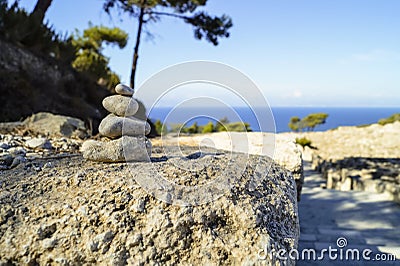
299 53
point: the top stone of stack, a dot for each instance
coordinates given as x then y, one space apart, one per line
122 89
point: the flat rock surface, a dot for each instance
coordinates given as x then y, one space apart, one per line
280 147
75 211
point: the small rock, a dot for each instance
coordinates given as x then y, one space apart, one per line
122 89
46 231
18 160
37 168
4 146
121 105
141 205
105 237
113 126
82 210
93 246
134 240
135 148
64 146
38 143
49 243
61 261
48 165
17 151
79 177
6 159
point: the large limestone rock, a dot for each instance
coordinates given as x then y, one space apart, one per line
56 125
280 147
81 212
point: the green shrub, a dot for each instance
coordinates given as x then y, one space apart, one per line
238 127
209 128
89 52
391 119
363 125
294 123
220 126
160 128
308 123
193 129
304 142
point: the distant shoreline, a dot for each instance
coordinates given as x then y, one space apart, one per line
338 116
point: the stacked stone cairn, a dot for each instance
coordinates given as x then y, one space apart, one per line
126 134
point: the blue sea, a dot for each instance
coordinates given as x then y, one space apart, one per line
338 116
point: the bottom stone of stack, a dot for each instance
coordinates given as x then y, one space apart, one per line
124 149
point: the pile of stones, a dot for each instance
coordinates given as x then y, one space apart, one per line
125 134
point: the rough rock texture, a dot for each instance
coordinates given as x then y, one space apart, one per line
81 212
121 105
289 156
56 125
114 126
281 148
136 149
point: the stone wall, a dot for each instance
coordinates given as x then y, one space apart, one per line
378 175
358 158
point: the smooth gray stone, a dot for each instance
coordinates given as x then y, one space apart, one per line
126 148
18 160
122 89
121 105
6 159
113 126
39 143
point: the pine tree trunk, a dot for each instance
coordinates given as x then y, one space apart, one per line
40 8
136 50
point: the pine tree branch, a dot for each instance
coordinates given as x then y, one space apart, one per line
159 13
